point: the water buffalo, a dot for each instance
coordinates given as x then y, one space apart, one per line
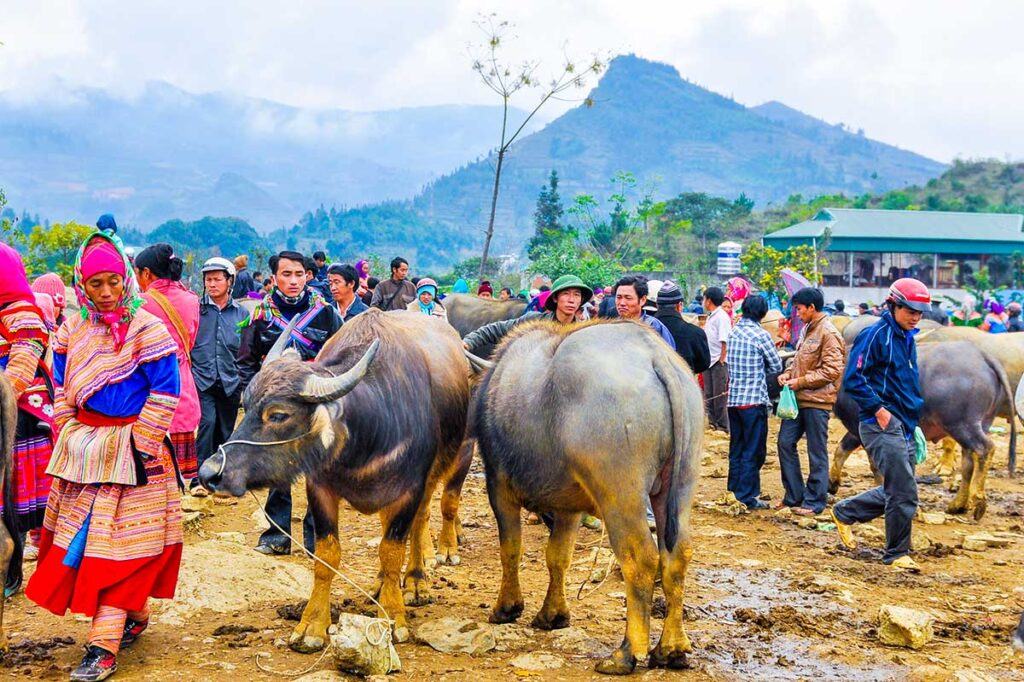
10 538
377 420
862 322
601 443
950 373
1018 636
468 313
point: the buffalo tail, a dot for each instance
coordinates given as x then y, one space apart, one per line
683 478
1005 381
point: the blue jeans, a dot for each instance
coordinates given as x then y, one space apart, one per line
748 448
813 494
896 498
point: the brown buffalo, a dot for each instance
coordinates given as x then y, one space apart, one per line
376 420
949 373
602 443
10 538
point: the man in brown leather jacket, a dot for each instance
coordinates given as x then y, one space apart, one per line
814 373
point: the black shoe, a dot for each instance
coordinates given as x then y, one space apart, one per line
97 664
132 630
275 548
757 505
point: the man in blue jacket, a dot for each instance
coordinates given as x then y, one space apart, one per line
882 377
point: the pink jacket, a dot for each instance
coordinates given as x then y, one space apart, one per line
186 303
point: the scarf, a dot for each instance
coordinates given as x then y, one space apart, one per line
14 284
426 309
121 316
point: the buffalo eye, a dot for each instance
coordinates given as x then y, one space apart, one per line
277 417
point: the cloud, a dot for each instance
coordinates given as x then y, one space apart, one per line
939 77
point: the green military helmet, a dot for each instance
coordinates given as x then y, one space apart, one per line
568 282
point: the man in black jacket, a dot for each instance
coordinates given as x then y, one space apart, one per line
318 321
691 341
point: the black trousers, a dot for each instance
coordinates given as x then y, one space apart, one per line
279 508
812 494
218 413
716 395
748 449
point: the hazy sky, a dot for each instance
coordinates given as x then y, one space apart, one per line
940 77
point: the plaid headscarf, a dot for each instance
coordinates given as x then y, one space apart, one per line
131 300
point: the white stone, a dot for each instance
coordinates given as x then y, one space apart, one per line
453 635
537 662
362 645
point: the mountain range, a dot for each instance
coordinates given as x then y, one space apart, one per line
395 176
167 153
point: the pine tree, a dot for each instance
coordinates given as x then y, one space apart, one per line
547 217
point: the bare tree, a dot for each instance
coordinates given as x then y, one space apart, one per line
506 80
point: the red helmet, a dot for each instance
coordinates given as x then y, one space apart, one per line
910 293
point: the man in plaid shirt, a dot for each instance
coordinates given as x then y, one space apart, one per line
750 356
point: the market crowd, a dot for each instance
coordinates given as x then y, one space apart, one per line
127 381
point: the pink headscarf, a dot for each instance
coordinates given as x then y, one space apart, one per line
45 304
101 256
14 284
51 284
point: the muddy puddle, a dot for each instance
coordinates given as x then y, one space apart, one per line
767 626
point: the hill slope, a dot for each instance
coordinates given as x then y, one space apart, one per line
172 154
646 119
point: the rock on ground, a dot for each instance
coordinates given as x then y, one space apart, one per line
575 640
226 577
454 635
363 646
899 626
537 662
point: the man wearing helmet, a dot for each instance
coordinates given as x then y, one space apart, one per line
214 360
882 378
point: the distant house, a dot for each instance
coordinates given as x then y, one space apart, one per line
869 248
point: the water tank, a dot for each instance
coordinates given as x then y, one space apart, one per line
729 258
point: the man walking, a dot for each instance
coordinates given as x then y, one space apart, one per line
317 322
691 341
397 292
717 326
630 298
752 356
814 374
344 282
214 361
882 377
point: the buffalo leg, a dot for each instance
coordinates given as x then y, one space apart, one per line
958 505
846 445
976 489
674 645
398 520
946 465
416 586
638 556
311 632
451 527
554 613
510 536
6 552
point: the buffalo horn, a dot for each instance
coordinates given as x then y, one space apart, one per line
277 350
325 389
478 363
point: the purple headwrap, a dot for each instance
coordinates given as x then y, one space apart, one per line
363 268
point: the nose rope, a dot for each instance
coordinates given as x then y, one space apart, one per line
224 455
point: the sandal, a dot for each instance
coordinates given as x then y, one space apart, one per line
804 511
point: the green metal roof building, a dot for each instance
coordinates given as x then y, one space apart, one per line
936 244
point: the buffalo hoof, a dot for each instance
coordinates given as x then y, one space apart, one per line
506 614
306 639
401 634
955 507
617 664
448 556
417 592
979 509
553 621
675 660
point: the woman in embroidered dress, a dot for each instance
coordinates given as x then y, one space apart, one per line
112 533
159 273
24 339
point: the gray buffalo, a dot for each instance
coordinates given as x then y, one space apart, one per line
468 313
10 538
963 389
376 420
648 414
862 322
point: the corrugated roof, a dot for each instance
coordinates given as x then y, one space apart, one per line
855 229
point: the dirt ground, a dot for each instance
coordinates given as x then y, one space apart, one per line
766 599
